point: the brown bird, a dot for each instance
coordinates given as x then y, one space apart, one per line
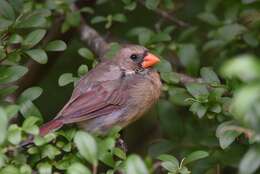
115 92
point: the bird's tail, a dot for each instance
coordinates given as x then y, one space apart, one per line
50 126
44 129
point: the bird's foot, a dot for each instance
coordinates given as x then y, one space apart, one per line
121 144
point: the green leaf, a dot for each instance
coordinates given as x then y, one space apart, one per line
68 134
135 165
50 151
107 144
242 103
211 5
6 10
33 150
119 17
14 57
169 4
25 169
120 153
113 49
244 67
170 77
29 125
16 4
186 34
213 44
44 168
66 79
251 39
32 21
248 1
39 140
144 34
230 32
87 10
31 94
152 4
86 53
57 45
11 73
107 158
194 156
184 170
131 6
11 110
78 168
82 70
38 55
209 18
179 96
189 57
198 109
109 21
216 108
232 14
208 75
42 12
73 18
29 109
34 38
49 137
10 169
227 133
2 160
4 23
15 38
14 135
169 166
87 146
2 53
7 91
197 90
3 125
160 37
170 163
164 66
98 19
251 161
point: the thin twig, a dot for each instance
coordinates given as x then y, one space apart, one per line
91 37
167 16
185 79
93 40
94 169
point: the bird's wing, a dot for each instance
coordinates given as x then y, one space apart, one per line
99 93
98 101
105 71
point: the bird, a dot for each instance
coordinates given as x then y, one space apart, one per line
116 92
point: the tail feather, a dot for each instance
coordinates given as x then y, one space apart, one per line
50 126
44 129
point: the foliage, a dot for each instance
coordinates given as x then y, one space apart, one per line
209 125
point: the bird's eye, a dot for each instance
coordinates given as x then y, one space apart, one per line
134 57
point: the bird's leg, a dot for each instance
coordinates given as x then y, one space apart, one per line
120 143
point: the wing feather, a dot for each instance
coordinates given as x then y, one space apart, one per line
99 100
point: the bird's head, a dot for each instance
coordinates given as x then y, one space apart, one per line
135 57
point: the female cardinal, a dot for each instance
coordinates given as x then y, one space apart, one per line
115 92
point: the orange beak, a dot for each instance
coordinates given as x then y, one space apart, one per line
150 60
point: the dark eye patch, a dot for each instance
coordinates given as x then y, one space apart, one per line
134 57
